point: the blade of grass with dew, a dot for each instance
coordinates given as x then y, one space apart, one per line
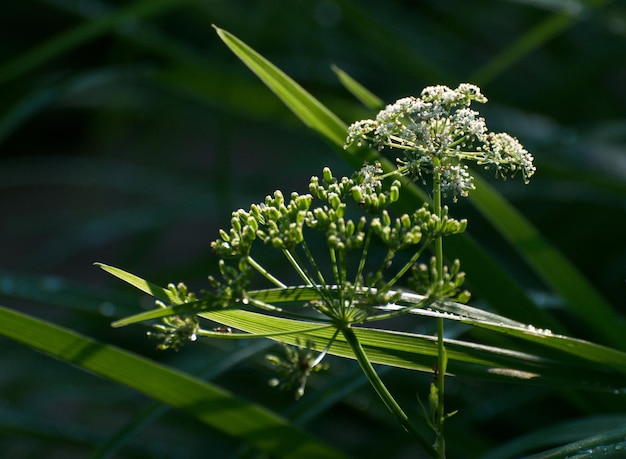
288 330
207 403
583 300
594 353
607 445
561 433
416 352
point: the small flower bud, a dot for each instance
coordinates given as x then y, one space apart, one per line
394 193
327 175
253 224
357 194
334 200
224 235
279 199
386 218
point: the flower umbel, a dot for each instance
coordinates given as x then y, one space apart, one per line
438 133
295 367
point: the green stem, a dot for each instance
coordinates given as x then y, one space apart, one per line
252 262
382 390
406 267
301 272
441 351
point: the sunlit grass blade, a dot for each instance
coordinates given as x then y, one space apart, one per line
142 284
418 352
308 109
203 401
594 353
364 95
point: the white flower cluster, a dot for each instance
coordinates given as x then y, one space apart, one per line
437 133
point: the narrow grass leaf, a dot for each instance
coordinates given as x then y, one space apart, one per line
594 353
364 95
156 410
562 433
142 284
418 352
606 445
307 108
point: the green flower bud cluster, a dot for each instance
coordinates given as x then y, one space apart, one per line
176 331
365 186
436 226
423 279
407 230
275 222
404 232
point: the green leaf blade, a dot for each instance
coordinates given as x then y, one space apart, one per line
364 95
312 113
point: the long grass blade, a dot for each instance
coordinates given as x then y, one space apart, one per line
364 95
309 110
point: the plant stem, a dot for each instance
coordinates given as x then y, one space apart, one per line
252 262
382 390
440 445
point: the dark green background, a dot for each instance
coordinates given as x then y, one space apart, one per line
131 143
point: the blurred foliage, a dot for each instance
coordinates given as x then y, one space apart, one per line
128 133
